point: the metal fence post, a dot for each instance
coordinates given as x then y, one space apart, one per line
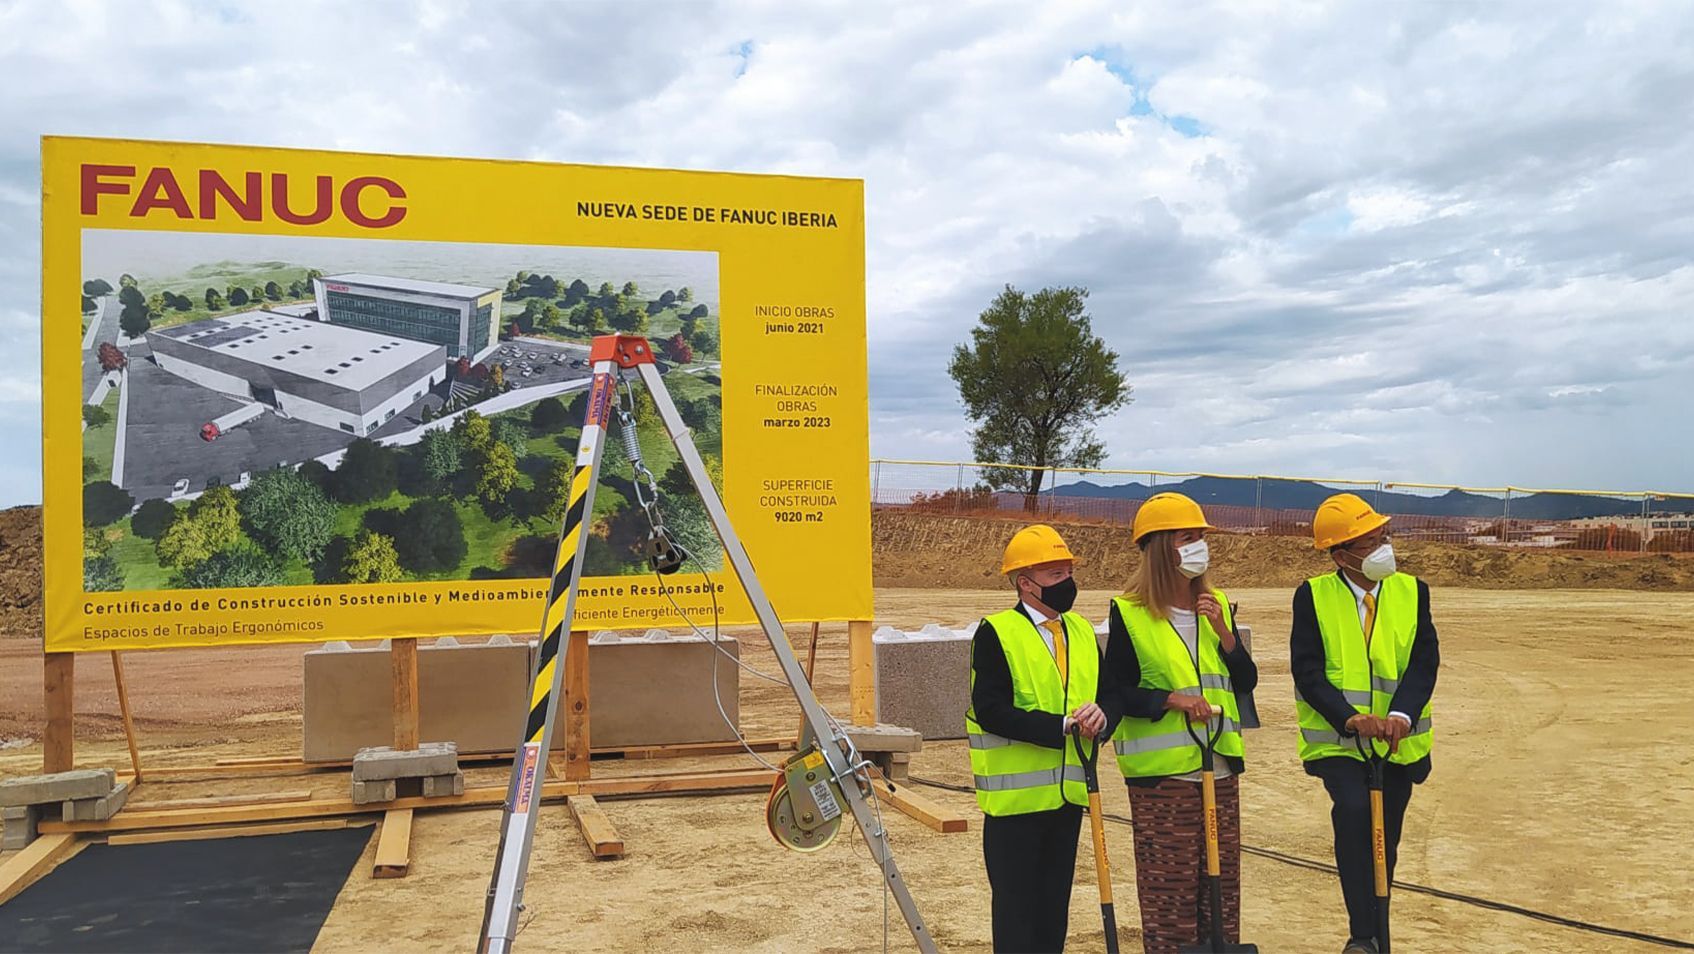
876 481
1258 503
1506 518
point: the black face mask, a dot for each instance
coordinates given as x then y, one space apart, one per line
1061 596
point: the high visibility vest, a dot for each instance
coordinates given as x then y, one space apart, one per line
1015 778
1153 748
1368 683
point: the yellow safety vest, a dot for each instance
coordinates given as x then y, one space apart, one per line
1015 778
1153 748
1367 683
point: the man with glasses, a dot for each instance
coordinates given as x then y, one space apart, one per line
1364 656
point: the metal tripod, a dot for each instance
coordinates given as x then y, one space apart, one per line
610 355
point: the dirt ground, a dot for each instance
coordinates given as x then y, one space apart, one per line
1561 783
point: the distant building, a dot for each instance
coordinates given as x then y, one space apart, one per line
463 319
336 377
1648 526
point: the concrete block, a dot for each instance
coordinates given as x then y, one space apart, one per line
58 787
17 826
429 758
445 642
381 790
651 691
923 680
476 695
885 738
438 785
96 809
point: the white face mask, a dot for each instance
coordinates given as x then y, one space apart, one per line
1379 565
1195 557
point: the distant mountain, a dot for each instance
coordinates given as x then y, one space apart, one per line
1306 495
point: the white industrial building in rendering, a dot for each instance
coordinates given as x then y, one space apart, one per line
464 319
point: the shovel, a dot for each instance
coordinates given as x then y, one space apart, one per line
1214 870
1378 841
1097 821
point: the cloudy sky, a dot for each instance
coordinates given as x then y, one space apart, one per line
1435 241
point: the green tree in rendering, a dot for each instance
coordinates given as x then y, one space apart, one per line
372 559
473 432
288 514
555 488
273 291
153 519
257 295
548 415
237 296
1034 380
434 540
496 474
218 512
131 295
630 290
513 289
96 287
95 416
368 471
512 432
551 316
704 342
101 574
576 291
685 294
438 455
183 543
104 502
236 566
215 300
126 280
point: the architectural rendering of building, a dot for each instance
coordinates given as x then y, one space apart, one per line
461 318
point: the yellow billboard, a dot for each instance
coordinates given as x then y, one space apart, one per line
321 395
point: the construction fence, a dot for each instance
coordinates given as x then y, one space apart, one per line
1596 521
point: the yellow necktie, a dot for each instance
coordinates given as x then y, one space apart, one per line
1060 655
1370 616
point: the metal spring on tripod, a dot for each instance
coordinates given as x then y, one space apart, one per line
631 442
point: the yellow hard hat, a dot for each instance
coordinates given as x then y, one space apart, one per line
1341 518
1168 511
1032 546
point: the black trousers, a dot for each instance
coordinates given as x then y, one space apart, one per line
1348 783
1031 862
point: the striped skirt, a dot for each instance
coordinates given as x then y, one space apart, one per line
1170 862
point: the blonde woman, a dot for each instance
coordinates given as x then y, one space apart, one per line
1173 662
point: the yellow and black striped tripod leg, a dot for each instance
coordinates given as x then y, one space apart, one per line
523 796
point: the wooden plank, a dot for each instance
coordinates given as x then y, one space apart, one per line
683 750
394 845
603 839
58 696
861 672
672 784
35 860
404 653
226 831
220 801
575 706
910 803
123 708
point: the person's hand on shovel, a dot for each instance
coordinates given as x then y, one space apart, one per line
1090 719
1395 728
1196 708
1366 726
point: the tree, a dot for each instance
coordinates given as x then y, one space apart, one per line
532 311
214 300
576 291
257 295
87 304
135 320
306 280
677 349
96 287
701 416
473 432
126 280
555 490
523 276
131 295
273 291
685 294
217 512
183 543
607 292
698 311
104 502
288 514
1034 379
156 303
550 315
548 415
153 519
101 574
497 474
630 290
372 559
690 325
111 359
497 378
513 434
181 302
368 471
513 289
94 416
233 567
296 290
438 454
667 298
703 342
596 320
237 296
90 467
435 537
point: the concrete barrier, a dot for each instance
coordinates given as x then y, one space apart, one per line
655 688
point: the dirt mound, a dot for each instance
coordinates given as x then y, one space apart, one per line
924 550
20 571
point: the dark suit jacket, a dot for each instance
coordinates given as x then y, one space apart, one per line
991 696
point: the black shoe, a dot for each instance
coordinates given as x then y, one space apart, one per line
1358 946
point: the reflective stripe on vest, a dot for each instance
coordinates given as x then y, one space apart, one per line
1151 748
1015 778
1367 677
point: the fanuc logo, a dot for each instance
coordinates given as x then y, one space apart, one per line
372 202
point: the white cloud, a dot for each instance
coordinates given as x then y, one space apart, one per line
1426 241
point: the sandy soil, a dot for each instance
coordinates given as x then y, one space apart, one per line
1561 783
